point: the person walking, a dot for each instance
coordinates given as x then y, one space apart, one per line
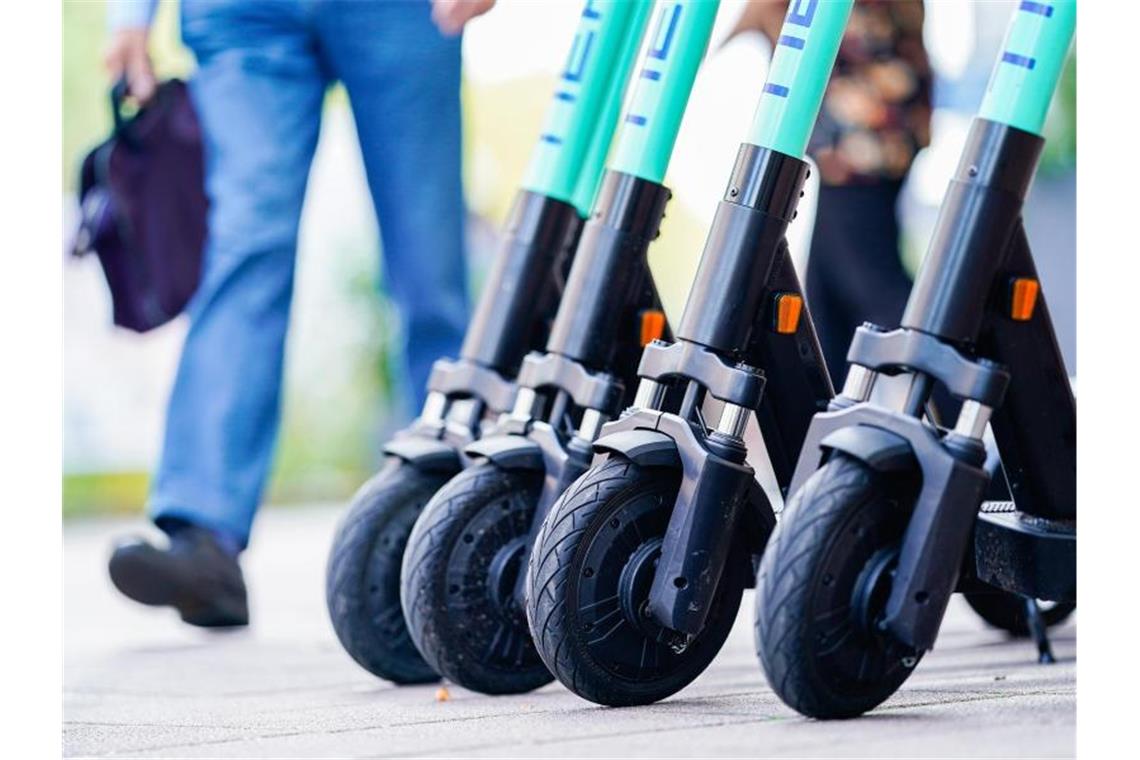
263 69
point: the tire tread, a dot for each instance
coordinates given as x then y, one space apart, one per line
782 587
382 499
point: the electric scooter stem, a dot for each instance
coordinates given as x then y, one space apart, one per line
742 319
978 246
638 571
962 306
889 516
610 292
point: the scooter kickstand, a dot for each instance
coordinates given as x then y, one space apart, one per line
1040 634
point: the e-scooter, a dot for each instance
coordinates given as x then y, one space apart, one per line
638 571
888 517
466 557
513 317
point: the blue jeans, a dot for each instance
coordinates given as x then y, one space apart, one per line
263 67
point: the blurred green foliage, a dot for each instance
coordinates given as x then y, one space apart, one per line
103 493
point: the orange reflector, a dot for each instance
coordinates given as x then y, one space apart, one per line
1023 298
652 326
789 306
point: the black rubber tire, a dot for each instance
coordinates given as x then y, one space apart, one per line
362 579
1006 611
459 623
608 498
832 529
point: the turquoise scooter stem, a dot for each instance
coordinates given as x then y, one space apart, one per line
801 66
1033 55
567 162
677 43
589 178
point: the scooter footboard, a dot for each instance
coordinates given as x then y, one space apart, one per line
1015 552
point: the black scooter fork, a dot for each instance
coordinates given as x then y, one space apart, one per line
976 324
746 340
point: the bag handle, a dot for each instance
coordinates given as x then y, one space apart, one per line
121 117
119 92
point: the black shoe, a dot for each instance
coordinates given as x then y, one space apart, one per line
195 575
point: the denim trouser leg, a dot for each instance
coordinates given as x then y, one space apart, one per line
402 78
258 93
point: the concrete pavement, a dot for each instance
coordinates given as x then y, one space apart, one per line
137 683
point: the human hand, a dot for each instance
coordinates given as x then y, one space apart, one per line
451 15
126 56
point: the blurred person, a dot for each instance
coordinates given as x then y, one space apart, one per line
263 69
874 119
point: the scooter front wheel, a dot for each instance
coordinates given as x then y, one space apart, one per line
460 570
822 585
362 578
588 586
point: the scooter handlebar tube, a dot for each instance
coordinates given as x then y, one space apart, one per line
590 175
1032 57
801 66
677 43
566 164
610 282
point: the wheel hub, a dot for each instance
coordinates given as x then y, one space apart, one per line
873 588
503 574
633 586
